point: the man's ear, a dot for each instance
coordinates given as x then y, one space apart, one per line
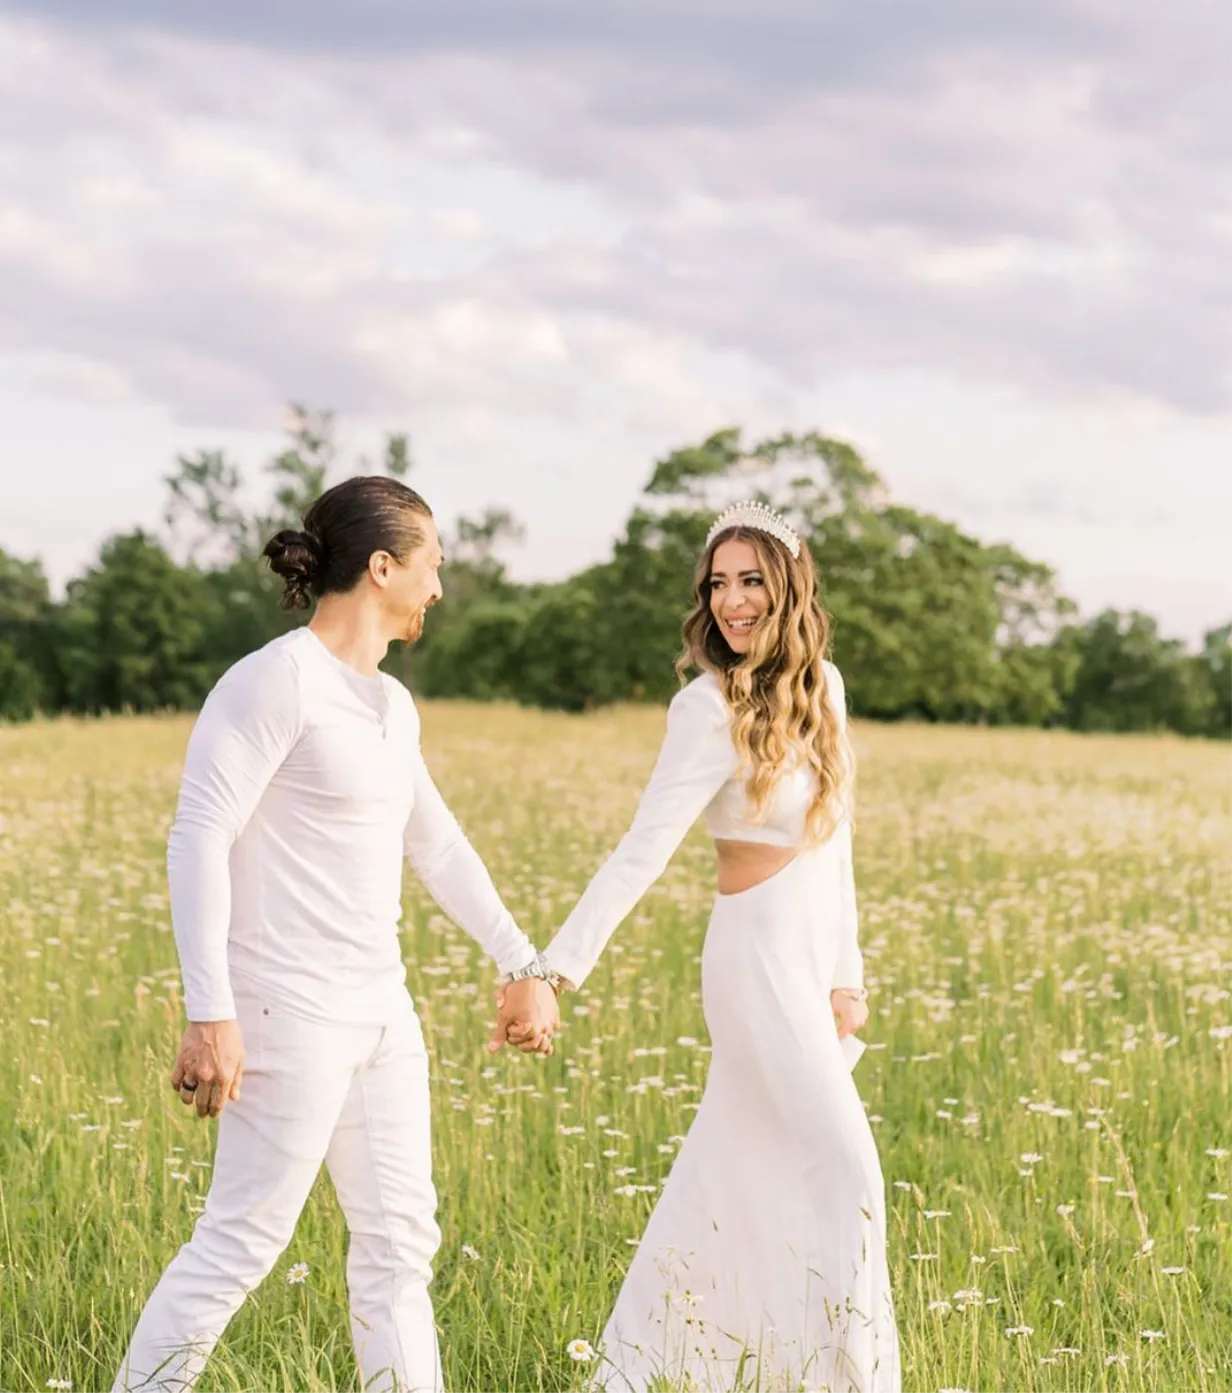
378 568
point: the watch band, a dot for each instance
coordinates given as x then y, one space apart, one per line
534 968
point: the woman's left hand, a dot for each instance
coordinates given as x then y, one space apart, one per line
850 1013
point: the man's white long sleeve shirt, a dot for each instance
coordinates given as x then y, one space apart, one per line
304 787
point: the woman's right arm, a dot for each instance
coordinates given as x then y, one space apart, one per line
697 757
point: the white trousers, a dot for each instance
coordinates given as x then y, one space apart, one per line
357 1099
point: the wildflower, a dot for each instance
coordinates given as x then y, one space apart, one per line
469 1252
1172 1271
298 1274
936 1213
1020 1330
63 1384
1110 1359
580 1351
1216 1195
1152 1334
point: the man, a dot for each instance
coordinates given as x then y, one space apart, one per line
303 787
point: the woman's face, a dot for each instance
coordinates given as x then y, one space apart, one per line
738 598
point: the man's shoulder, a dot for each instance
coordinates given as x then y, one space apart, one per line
276 663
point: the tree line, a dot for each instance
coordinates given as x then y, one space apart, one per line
930 623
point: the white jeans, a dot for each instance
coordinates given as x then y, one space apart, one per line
356 1098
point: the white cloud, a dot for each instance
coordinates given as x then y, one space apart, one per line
629 224
240 218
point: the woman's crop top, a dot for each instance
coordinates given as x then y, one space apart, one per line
699 771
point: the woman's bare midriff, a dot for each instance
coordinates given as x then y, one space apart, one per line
745 864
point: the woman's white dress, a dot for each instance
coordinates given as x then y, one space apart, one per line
764 1262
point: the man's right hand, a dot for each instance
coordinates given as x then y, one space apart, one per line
209 1066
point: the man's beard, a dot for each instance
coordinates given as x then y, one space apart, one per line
414 630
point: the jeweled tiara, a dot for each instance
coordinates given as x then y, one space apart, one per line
761 518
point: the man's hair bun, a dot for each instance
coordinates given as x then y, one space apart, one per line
298 558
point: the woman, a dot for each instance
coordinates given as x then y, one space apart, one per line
765 1258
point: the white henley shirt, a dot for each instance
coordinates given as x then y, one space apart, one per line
304 786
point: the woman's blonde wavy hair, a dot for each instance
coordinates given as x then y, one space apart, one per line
776 692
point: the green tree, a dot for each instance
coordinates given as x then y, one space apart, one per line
213 524
29 674
928 621
1215 662
131 631
467 636
564 657
21 687
1130 677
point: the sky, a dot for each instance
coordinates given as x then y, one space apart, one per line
987 244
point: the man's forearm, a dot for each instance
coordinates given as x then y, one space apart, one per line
459 882
199 880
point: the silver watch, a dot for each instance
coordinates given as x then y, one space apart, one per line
534 968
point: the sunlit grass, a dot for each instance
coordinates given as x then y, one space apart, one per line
1046 921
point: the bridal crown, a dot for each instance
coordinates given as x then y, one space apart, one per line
761 518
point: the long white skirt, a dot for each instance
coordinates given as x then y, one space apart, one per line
764 1262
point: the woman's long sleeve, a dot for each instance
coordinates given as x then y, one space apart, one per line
246 728
456 877
849 967
696 759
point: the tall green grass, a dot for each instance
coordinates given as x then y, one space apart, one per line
1046 922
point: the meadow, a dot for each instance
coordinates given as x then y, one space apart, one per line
1046 921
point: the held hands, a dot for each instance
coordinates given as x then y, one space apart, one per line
209 1066
527 1016
850 1012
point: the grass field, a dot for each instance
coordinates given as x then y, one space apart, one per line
1046 924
